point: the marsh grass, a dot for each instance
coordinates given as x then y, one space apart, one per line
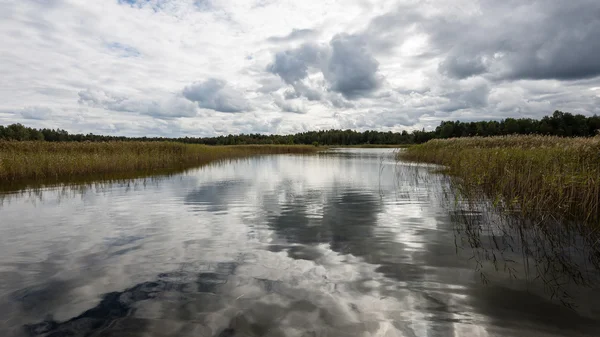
503 246
375 146
538 177
56 161
562 259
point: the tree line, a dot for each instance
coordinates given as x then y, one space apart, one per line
558 124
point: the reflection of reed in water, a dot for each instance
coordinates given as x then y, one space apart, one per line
563 257
71 189
36 189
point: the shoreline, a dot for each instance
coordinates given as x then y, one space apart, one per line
29 164
540 177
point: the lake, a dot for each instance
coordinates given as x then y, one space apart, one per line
343 243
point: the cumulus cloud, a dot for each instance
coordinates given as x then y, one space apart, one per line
346 64
216 95
293 65
339 102
289 106
352 70
270 84
301 89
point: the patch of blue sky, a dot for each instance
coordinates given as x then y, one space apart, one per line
123 50
141 3
131 2
162 5
203 5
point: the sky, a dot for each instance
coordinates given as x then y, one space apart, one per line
206 67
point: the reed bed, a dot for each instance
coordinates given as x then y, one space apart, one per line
55 161
540 177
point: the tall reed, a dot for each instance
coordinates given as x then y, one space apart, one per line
538 176
57 161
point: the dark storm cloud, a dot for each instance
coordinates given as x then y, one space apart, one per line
216 95
295 34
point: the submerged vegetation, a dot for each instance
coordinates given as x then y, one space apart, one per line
539 177
55 161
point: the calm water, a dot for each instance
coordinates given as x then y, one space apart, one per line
349 243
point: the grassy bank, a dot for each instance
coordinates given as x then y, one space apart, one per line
375 146
57 161
538 176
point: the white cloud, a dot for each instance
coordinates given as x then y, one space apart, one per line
171 107
216 95
289 106
176 67
36 112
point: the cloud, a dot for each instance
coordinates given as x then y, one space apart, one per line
301 89
270 84
384 119
171 107
295 34
335 64
522 40
475 97
391 118
216 95
293 65
287 106
122 50
109 101
352 70
346 64
562 42
507 40
462 66
36 112
340 102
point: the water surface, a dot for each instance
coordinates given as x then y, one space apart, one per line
348 243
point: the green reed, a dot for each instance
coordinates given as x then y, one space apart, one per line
538 176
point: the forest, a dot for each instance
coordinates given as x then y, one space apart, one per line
563 124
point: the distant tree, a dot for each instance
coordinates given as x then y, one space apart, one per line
558 124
